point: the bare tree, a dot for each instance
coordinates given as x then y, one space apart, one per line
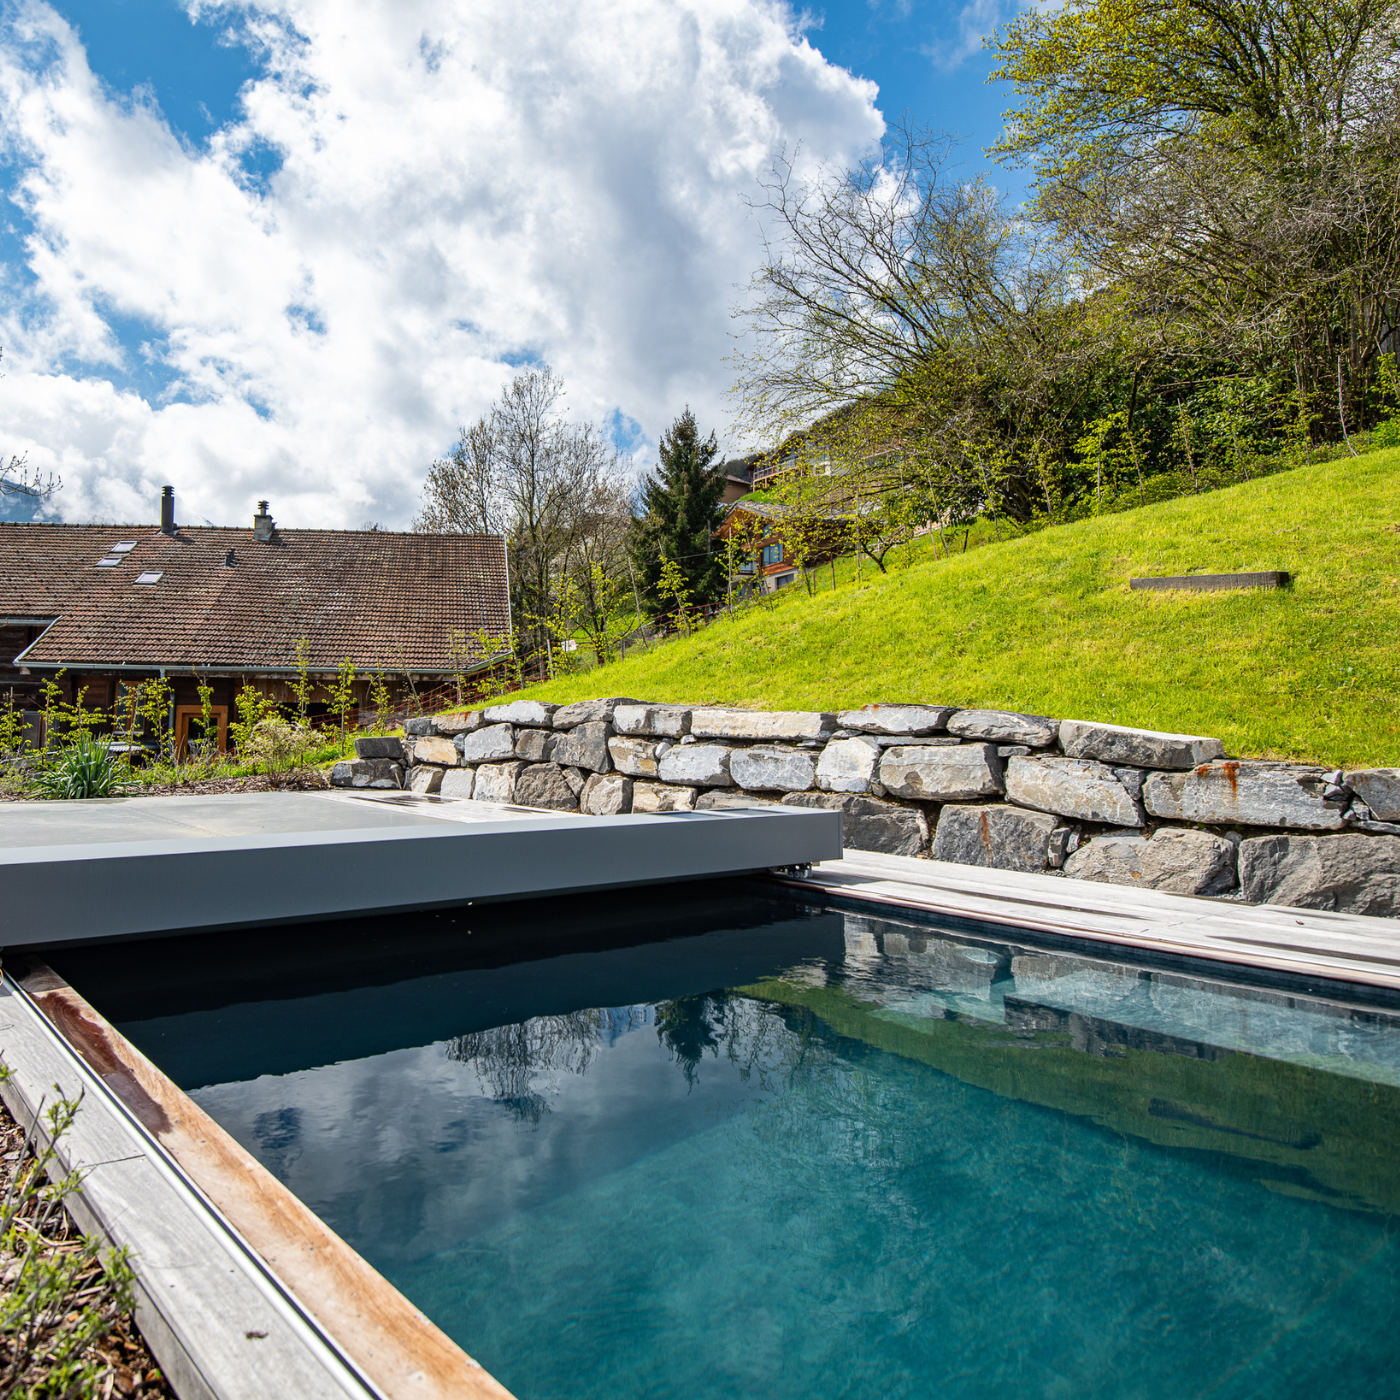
19 480
524 472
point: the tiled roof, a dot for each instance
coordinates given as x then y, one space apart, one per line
765 510
383 599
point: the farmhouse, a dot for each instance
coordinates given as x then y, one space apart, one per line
771 543
97 607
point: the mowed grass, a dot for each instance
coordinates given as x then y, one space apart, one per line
1047 624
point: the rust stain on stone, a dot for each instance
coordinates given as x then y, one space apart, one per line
985 832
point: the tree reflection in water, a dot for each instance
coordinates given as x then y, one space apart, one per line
510 1059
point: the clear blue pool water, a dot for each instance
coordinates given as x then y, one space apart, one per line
728 1147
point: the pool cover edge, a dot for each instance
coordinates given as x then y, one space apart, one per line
61 893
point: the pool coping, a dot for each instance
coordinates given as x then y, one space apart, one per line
242 1290
1354 950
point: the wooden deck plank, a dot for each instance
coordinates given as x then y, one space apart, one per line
386 1339
1310 942
216 1326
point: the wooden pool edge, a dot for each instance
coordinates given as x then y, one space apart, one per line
391 1348
1354 950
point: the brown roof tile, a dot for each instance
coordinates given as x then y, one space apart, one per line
383 599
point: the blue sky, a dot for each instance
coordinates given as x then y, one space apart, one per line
285 247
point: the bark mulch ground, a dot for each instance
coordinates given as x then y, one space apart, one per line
312 780
114 1361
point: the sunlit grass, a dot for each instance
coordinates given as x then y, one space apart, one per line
1047 623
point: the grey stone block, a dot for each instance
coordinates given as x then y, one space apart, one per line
487 745
434 749
424 780
870 825
459 722
1142 748
419 726
532 712
576 778
1004 727
638 758
534 745
380 746
1134 779
1256 794
589 711
458 782
606 795
1173 858
942 774
765 768
1064 841
584 746
1379 789
888 741
658 797
545 785
731 801
1348 874
761 724
1072 787
495 782
999 838
662 721
367 773
895 719
699 765
848 765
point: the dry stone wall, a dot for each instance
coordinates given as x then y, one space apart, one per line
979 787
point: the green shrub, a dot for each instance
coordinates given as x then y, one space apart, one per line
83 767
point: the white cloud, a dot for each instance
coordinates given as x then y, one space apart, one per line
975 22
463 183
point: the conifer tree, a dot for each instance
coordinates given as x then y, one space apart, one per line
680 512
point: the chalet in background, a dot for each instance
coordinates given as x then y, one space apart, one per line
108 605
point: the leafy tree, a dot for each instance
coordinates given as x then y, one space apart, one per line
680 513
1229 168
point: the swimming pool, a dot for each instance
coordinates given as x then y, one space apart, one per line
700 1145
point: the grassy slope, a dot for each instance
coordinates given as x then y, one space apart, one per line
1047 624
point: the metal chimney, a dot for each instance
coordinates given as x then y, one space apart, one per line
167 511
262 523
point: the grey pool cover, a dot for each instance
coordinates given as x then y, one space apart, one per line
120 867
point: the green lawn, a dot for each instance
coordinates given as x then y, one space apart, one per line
1047 623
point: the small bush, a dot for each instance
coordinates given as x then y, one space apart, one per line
83 767
277 744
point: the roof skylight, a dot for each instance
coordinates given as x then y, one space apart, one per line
110 562
123 547
150 576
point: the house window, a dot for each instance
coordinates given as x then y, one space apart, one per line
772 554
745 566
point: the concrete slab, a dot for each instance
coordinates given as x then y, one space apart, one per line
130 867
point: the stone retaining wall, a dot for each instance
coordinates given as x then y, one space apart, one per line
980 787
